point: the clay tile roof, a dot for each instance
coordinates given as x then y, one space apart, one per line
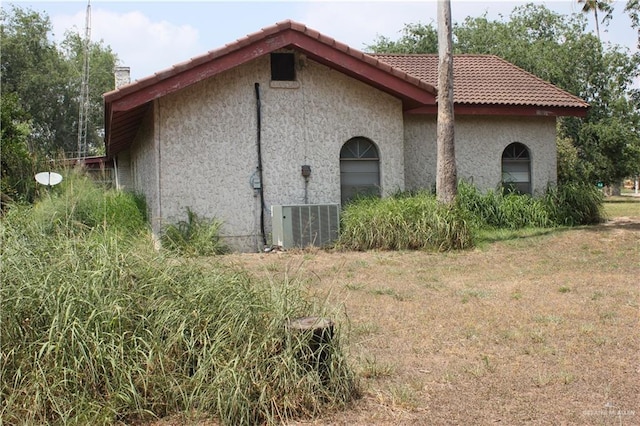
486 79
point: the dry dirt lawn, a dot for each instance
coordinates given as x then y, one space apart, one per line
541 329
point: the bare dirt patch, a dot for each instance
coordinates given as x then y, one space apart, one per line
540 329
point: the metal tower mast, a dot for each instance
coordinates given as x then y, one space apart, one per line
83 114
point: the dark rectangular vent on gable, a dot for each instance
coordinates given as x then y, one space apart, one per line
283 67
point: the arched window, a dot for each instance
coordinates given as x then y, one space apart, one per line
516 168
359 169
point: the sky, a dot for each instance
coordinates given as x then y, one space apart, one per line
149 36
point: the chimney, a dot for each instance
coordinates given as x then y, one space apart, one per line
123 76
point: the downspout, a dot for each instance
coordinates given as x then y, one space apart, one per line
259 143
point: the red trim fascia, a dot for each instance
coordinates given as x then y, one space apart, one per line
315 49
358 68
517 110
198 73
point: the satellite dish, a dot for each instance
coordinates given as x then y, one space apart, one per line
48 178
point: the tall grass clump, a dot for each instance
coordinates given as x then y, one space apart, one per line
573 204
403 223
196 236
97 327
78 204
503 209
563 205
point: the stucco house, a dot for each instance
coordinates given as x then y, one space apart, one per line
288 116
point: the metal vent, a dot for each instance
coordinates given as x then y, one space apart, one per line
305 225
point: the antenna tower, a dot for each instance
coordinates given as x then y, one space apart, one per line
83 114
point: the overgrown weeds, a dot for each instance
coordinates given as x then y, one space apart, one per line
196 236
573 204
78 205
563 205
417 221
501 209
97 327
403 223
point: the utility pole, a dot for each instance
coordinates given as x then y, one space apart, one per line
83 104
446 174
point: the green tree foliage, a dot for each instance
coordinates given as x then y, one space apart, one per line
46 80
16 180
559 49
613 149
416 38
32 69
633 10
102 62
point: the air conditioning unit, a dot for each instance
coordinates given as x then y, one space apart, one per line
305 225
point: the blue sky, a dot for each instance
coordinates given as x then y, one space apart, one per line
149 36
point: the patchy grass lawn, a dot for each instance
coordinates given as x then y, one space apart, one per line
534 327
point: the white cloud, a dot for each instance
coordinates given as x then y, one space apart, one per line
144 45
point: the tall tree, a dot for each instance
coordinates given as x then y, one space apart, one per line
32 69
40 89
101 79
16 163
46 80
446 174
594 6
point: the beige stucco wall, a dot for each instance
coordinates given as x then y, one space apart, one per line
204 142
143 159
124 177
197 147
480 141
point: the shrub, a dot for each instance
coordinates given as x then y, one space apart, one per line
507 210
521 211
403 222
196 236
484 209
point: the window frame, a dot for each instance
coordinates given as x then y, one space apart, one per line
516 155
355 155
